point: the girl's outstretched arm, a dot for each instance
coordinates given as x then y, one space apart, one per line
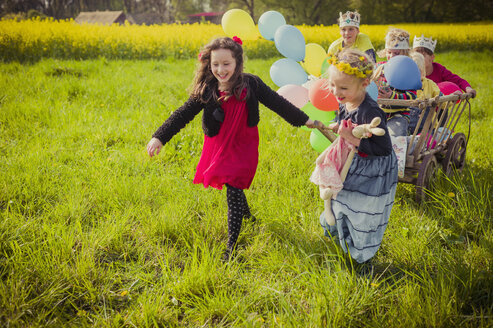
154 145
280 105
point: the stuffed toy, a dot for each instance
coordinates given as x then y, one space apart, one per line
334 162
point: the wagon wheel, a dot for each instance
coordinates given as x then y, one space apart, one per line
426 172
456 154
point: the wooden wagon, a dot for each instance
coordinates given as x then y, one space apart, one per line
434 142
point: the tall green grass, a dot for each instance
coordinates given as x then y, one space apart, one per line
93 232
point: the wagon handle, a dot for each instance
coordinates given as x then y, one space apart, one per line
325 131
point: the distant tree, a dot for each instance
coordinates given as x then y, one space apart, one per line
416 11
180 9
59 9
247 5
20 6
310 12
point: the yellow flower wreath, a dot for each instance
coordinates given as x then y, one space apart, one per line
361 72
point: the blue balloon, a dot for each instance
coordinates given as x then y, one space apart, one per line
287 71
402 73
372 90
269 22
290 42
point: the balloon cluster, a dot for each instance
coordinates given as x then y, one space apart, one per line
290 73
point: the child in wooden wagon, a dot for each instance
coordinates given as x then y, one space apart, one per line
435 71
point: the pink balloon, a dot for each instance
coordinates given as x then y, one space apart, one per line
447 88
295 94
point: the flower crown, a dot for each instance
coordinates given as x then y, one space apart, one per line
363 70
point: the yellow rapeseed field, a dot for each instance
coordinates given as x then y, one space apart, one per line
34 39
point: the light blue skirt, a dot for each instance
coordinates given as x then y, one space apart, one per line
362 208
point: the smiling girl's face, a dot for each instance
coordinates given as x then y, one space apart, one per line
348 89
223 66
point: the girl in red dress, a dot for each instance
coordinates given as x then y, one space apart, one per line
230 100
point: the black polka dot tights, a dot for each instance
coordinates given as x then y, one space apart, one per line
237 209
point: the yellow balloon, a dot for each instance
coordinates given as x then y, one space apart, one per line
314 57
237 22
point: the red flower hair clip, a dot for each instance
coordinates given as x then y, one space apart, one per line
200 56
237 40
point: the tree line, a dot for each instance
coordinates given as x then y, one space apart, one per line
309 12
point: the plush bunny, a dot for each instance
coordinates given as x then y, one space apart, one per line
367 130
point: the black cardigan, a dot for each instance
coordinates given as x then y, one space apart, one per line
258 91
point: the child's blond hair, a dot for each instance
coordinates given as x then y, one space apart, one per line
353 62
419 59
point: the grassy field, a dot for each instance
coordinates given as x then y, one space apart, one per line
93 232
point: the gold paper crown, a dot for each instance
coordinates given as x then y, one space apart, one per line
350 18
428 43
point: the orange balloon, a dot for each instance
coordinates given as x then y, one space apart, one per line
321 97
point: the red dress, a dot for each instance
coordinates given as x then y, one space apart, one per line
232 155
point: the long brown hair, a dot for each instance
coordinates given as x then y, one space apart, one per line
204 79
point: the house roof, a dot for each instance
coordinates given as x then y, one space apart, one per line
100 17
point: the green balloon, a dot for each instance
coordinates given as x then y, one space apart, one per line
318 141
316 114
325 67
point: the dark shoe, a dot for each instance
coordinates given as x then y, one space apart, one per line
250 218
227 255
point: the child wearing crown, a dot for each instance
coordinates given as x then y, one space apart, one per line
428 90
350 35
435 71
398 117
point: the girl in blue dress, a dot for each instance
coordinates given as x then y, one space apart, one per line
362 208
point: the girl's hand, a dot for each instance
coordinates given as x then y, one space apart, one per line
345 129
472 91
154 145
384 93
334 127
310 124
346 132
